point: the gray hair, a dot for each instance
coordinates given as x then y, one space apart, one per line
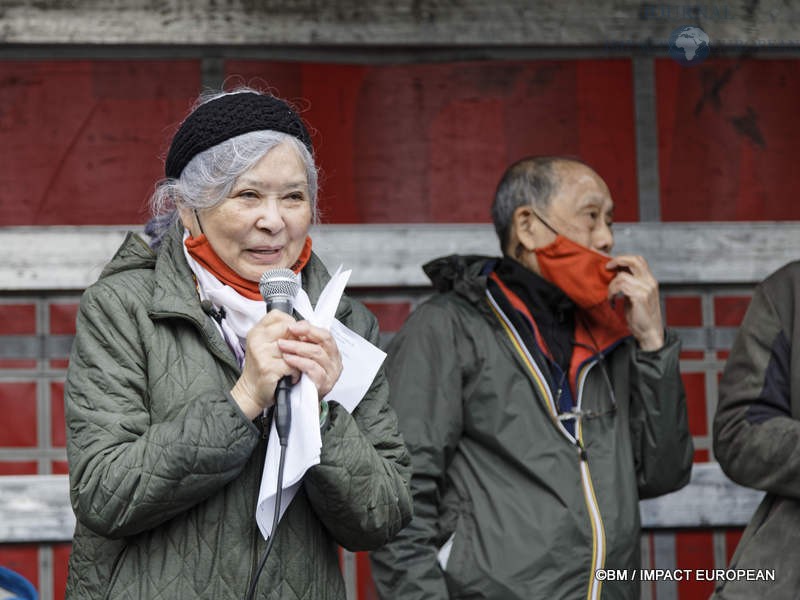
209 177
531 181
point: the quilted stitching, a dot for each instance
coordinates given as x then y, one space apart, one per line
165 470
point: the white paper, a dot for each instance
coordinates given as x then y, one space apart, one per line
360 363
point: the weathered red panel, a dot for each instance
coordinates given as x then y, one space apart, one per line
17 319
58 433
728 138
695 385
60 562
19 467
729 310
702 455
732 537
59 467
18 407
18 364
683 311
365 586
694 550
391 315
83 140
62 318
22 559
428 142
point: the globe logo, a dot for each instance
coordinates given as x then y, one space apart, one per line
689 45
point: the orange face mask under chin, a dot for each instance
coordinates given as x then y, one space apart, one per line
200 249
578 271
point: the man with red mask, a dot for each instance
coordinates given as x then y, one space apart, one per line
540 398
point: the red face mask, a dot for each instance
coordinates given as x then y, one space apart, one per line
578 271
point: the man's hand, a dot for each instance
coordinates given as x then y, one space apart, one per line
635 282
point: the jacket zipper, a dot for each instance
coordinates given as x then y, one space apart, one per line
538 377
593 509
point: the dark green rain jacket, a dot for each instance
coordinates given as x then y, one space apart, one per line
165 469
757 438
530 511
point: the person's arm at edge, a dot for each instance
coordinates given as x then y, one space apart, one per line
755 436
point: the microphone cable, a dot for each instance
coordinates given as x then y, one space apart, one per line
276 514
278 287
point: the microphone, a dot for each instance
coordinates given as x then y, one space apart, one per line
279 287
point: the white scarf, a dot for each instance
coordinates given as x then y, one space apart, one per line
240 313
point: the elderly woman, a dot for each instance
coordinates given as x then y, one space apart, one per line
175 364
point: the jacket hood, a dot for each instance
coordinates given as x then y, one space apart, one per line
463 274
134 253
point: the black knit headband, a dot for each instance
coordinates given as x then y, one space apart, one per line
226 117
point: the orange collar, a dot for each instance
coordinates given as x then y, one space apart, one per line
200 249
596 329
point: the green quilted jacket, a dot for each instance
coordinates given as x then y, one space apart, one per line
757 438
165 469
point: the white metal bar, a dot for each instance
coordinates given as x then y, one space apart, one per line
71 258
37 508
710 500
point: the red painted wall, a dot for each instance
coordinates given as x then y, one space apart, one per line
83 143
428 143
728 139
81 140
396 143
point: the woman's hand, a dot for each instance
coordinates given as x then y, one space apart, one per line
312 351
264 364
277 346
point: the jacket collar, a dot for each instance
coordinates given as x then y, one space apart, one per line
175 294
466 275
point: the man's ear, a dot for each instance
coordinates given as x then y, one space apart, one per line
523 227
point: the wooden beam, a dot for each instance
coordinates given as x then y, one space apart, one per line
35 508
393 22
709 500
71 258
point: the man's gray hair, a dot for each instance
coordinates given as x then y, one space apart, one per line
531 181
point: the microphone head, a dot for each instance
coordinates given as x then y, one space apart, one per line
278 285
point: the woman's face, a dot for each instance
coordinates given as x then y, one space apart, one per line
264 223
